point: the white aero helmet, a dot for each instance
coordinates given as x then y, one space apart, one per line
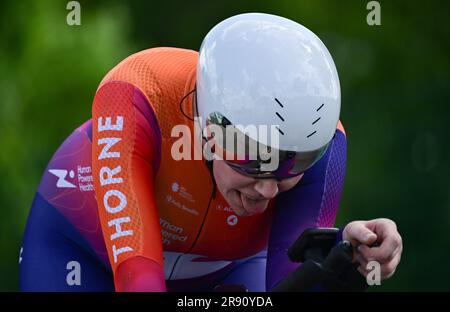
261 69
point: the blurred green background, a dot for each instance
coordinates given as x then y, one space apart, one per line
395 82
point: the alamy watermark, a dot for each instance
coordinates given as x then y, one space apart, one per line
73 278
233 142
74 16
374 273
374 16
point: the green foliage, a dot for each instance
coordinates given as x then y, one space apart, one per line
395 97
49 74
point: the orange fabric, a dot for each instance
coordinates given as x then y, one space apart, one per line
127 205
341 128
139 274
164 75
127 164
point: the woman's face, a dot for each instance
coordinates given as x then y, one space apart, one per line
246 195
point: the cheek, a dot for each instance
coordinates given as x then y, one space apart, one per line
228 178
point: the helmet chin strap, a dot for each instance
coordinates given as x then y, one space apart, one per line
181 105
209 163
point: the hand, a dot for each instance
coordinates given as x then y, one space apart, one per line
363 234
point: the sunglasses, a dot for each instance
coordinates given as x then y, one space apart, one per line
277 164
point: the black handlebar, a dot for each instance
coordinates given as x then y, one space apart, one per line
324 268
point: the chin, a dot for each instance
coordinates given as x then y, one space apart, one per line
239 210
241 213
259 209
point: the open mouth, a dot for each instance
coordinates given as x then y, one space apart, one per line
253 205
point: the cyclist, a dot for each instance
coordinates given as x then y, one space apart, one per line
118 210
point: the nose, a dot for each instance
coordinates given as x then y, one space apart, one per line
268 188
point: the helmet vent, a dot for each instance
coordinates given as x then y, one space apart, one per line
314 122
279 103
279 116
311 134
279 130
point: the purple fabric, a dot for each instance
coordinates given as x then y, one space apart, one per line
312 203
142 106
75 198
73 160
202 283
339 236
283 170
334 182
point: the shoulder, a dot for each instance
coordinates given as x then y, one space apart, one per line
340 127
150 62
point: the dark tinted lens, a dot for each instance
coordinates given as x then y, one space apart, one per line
304 161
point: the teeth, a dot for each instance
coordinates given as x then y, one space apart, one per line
253 200
250 198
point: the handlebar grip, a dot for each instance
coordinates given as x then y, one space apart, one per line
339 258
304 278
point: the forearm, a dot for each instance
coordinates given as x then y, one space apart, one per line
139 274
126 151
